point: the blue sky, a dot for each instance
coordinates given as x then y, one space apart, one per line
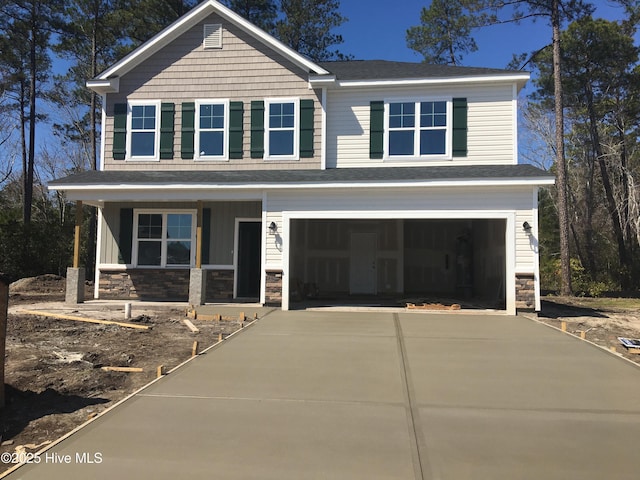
378 30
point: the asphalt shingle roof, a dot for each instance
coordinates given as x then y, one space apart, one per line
275 177
388 70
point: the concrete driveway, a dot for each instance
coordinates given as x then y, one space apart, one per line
327 395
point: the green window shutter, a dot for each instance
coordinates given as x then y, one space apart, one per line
167 112
257 129
188 130
125 239
459 127
206 235
119 131
236 112
376 130
306 128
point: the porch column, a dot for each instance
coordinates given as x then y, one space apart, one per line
198 276
76 274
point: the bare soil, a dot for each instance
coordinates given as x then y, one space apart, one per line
603 322
53 376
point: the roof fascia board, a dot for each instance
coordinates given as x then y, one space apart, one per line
519 79
496 182
190 19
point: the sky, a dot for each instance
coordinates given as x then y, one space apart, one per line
378 32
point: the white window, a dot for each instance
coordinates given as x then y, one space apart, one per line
212 130
282 120
144 130
418 129
164 239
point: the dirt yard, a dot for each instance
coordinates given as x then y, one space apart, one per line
53 367
601 320
54 375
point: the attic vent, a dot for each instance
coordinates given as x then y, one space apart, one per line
212 36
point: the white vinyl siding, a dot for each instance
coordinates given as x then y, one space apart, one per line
441 203
491 124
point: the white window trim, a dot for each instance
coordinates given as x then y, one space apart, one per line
156 142
448 155
296 128
196 144
163 240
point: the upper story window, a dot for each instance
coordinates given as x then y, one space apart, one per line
164 239
212 129
143 131
418 129
282 130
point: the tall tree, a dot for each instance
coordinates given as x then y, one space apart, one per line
91 39
601 84
27 26
142 19
262 13
444 34
306 26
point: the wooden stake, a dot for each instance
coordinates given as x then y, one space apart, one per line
160 371
563 326
220 337
583 334
190 326
613 349
122 369
194 349
242 317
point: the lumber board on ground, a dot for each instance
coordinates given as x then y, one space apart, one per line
83 319
123 369
190 326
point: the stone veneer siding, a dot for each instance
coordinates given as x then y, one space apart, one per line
156 284
273 289
219 285
525 291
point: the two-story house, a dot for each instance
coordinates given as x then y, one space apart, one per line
235 168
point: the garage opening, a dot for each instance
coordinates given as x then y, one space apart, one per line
394 262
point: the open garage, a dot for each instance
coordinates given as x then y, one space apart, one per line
395 261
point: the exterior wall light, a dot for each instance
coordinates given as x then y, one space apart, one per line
273 228
527 228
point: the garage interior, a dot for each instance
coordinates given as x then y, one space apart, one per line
391 262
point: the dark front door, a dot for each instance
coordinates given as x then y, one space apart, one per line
249 242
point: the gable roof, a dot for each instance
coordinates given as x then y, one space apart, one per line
108 81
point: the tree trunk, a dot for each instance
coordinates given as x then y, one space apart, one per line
623 255
561 187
